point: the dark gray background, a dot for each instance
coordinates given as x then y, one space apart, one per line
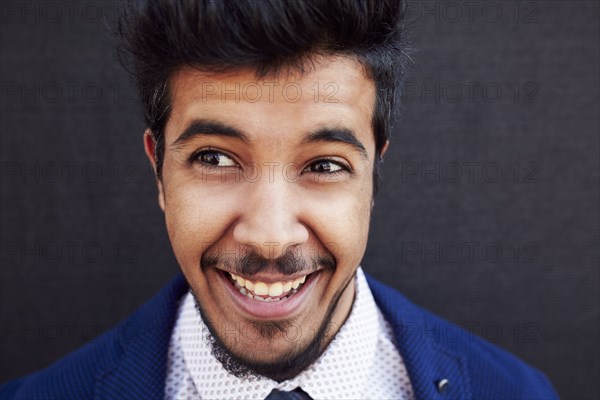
513 258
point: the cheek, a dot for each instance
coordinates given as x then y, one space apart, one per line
356 232
195 218
341 223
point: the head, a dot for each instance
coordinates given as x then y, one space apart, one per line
267 123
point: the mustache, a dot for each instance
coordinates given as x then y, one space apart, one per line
248 262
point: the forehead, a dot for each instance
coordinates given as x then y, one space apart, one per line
333 92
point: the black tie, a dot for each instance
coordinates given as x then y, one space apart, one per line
296 394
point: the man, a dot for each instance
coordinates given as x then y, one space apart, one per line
267 124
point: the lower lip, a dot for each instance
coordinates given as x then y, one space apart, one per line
285 308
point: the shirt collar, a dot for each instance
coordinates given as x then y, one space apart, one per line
357 336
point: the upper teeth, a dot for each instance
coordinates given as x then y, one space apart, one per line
268 289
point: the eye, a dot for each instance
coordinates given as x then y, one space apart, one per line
213 158
326 166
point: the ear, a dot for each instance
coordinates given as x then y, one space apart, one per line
150 148
384 149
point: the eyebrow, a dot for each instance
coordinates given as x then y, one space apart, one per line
211 128
337 135
202 127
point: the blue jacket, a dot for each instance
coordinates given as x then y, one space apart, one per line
129 361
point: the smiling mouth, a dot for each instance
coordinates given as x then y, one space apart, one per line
267 292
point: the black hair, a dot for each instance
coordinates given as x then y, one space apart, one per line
160 36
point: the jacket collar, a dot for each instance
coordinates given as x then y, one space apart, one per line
423 341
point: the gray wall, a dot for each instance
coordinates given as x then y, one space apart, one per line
511 257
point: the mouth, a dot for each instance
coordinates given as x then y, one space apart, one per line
263 291
269 299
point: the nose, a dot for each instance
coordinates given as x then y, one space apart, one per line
270 221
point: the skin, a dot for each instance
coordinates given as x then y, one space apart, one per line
291 206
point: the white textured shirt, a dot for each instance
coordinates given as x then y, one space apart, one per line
361 362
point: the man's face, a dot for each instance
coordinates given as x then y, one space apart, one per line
266 180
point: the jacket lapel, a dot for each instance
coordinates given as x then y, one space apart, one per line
426 346
143 342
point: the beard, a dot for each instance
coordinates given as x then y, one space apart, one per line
284 367
295 360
